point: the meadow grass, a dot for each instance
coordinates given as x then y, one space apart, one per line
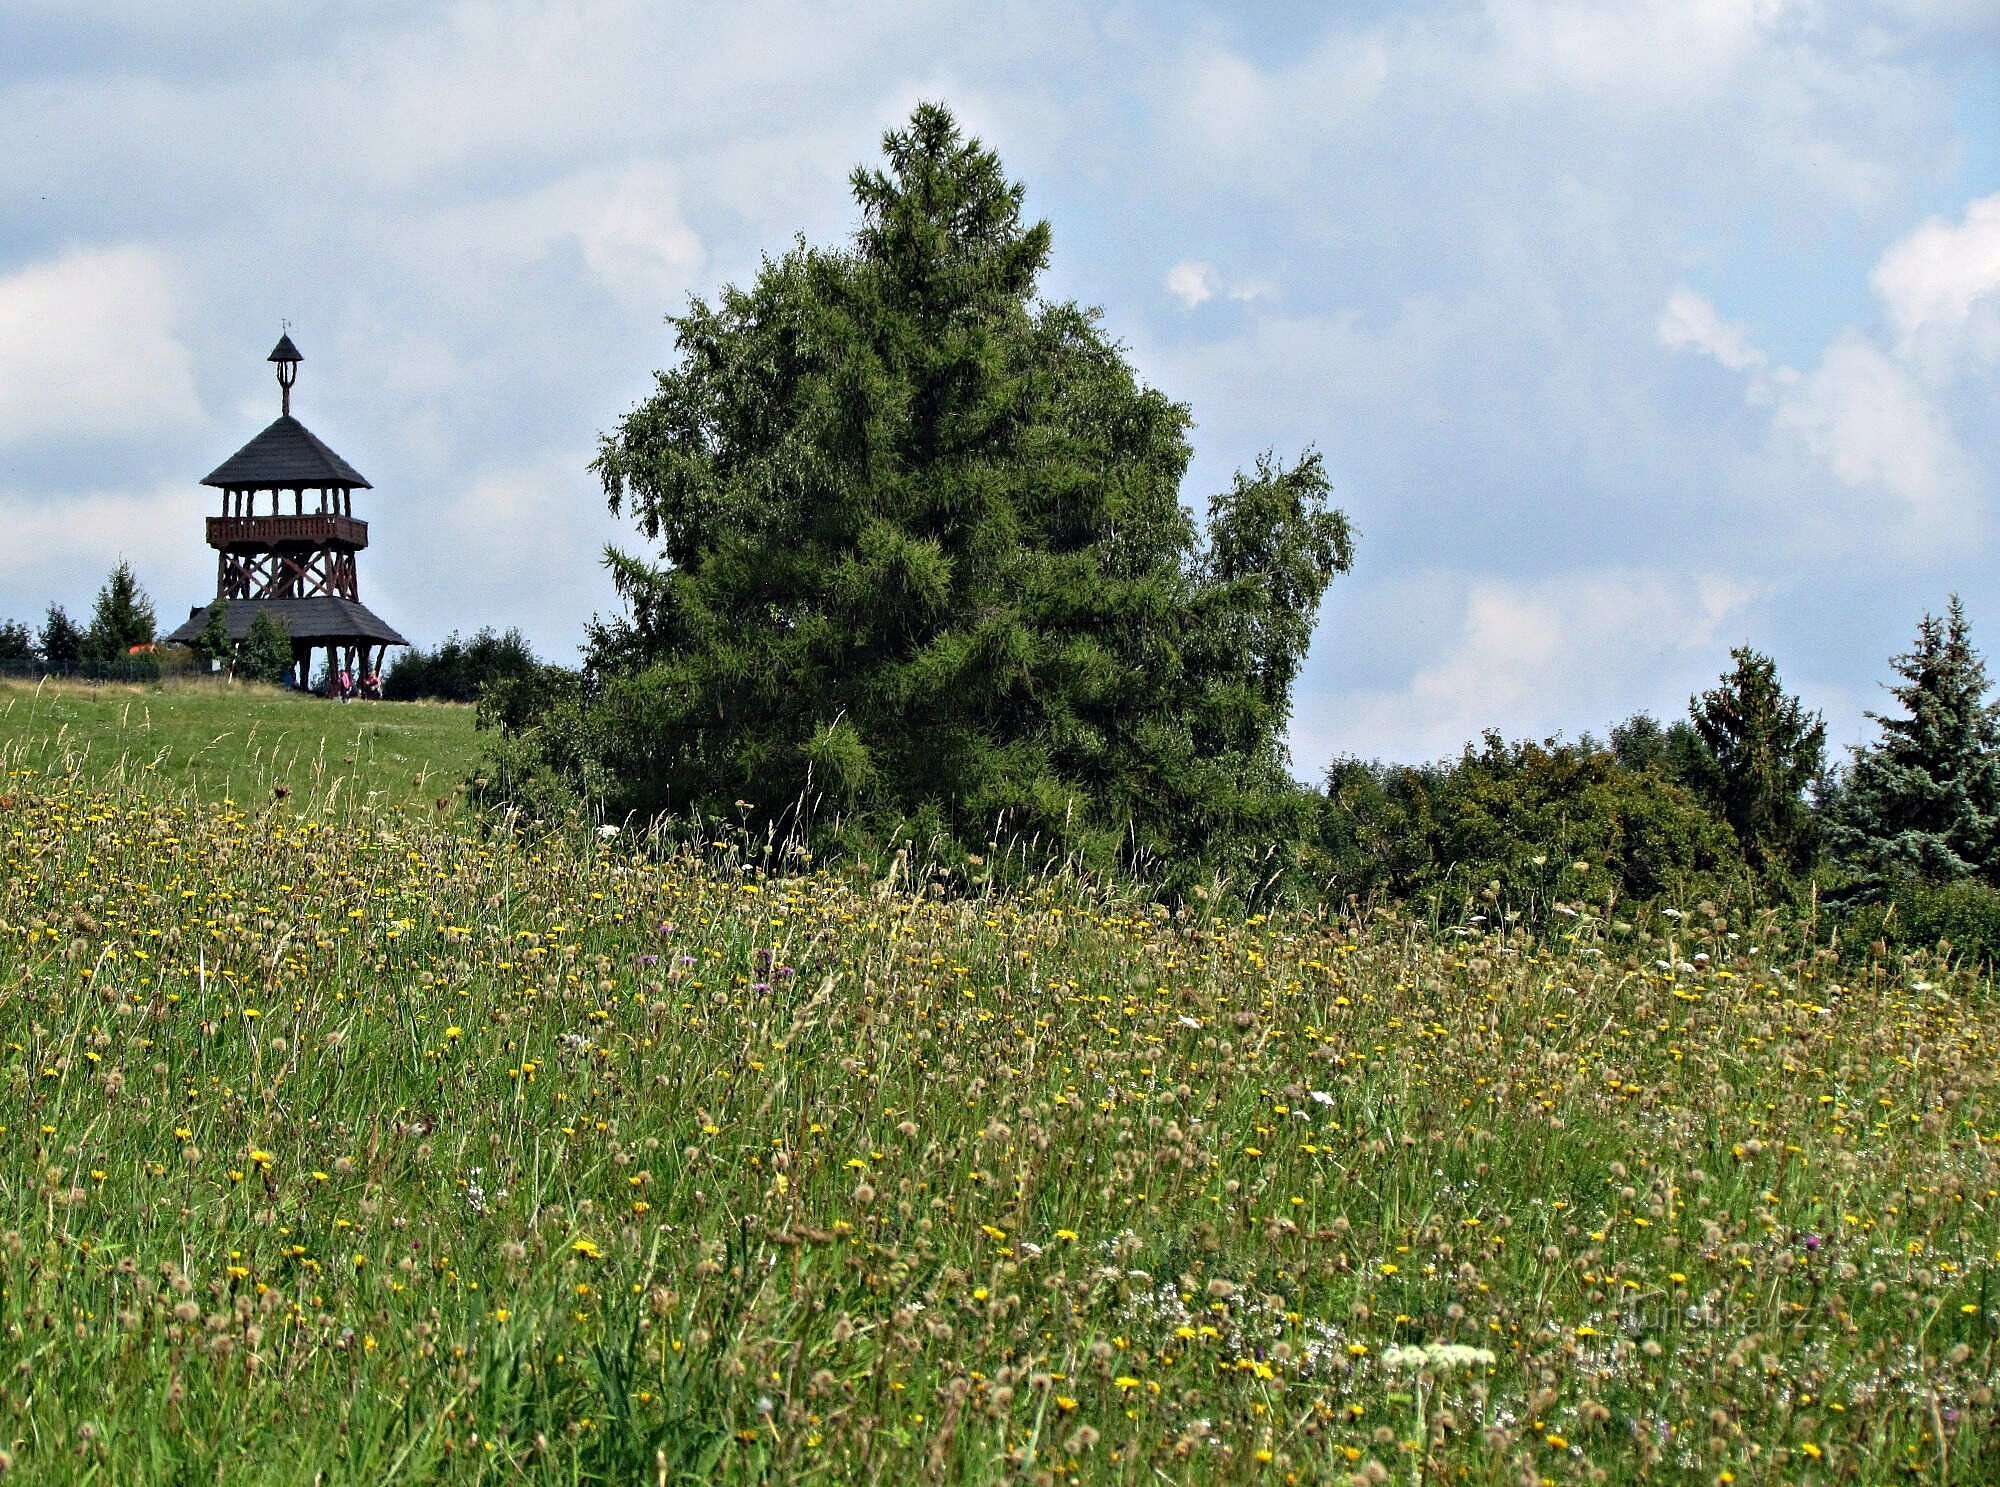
239 741
352 1145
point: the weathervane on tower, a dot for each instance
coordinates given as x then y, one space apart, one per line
286 355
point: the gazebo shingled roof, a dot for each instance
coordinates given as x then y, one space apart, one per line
286 455
313 621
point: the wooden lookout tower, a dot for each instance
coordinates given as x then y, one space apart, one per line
286 543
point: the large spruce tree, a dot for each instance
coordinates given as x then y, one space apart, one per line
921 557
1924 799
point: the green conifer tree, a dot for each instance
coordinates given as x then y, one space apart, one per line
1761 752
1924 799
213 643
121 618
60 641
1673 750
922 555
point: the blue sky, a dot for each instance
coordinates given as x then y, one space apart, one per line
1630 331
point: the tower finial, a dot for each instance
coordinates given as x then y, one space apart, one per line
286 355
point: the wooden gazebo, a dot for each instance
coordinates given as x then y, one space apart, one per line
299 565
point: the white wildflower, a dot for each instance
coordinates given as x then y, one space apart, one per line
1438 1357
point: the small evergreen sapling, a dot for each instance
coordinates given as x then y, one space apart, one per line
60 641
213 644
121 618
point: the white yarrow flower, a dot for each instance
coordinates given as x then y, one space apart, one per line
1438 1357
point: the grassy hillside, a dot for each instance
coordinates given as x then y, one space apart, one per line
240 741
362 1151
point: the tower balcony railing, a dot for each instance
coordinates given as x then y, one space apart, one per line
316 529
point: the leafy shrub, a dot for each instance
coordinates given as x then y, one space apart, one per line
514 699
266 653
1538 822
1674 749
213 643
460 670
1966 914
1962 915
141 666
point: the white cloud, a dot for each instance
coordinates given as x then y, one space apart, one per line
1571 653
1691 321
1941 287
1191 283
1703 97
1630 50
1195 283
1860 416
1865 418
623 224
1228 101
543 81
1236 111
631 233
542 528
80 536
90 344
